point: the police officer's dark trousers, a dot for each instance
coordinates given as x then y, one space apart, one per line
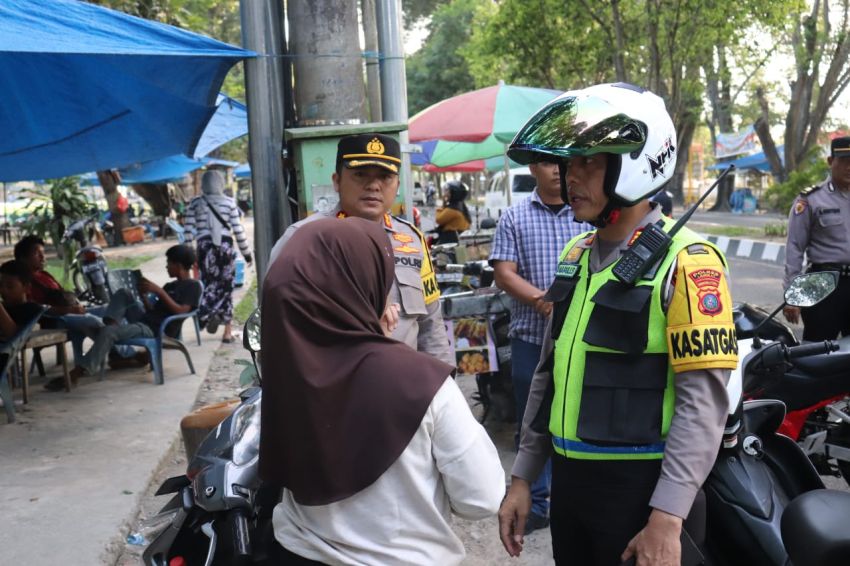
597 507
827 319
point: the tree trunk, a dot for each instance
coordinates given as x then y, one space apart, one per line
373 75
109 182
619 33
684 137
326 50
156 195
721 103
762 127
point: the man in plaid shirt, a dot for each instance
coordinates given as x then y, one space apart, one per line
529 238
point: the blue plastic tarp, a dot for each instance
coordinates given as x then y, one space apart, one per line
163 170
242 171
229 122
84 88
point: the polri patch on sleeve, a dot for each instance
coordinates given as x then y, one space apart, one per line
800 206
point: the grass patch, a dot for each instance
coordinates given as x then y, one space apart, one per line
54 267
247 304
731 231
131 262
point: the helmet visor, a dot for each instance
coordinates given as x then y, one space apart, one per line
577 125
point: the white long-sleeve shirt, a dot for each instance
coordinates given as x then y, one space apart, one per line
404 517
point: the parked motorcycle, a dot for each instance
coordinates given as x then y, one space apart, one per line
88 269
759 472
220 512
814 389
455 278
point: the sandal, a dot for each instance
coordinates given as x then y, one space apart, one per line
227 340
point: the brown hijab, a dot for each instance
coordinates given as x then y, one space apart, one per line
340 400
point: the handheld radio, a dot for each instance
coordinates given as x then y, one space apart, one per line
654 242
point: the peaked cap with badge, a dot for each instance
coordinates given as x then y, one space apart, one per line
840 147
362 150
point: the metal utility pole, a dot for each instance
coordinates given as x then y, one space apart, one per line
262 32
394 83
325 46
373 71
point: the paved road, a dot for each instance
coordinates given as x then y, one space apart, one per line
729 219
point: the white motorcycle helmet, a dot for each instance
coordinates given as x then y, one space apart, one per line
620 119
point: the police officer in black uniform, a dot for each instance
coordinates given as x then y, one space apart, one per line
819 227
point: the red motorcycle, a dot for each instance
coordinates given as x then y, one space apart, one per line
815 390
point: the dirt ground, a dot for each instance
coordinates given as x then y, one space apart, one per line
480 538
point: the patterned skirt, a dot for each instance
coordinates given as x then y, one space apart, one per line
218 269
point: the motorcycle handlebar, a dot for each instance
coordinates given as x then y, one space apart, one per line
812 349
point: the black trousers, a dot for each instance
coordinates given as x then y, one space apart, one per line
827 319
597 507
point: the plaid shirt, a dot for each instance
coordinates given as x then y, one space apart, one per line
532 236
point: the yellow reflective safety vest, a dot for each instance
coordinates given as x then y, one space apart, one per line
613 377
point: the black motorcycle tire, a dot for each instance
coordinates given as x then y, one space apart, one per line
101 294
80 283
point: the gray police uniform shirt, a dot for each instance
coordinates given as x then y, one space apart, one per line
414 288
699 414
819 227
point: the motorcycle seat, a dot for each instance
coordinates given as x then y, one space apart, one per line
827 364
816 528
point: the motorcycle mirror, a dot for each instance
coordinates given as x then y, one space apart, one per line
810 289
251 332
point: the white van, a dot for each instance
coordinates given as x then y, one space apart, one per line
522 183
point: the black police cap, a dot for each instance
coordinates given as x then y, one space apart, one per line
362 150
840 146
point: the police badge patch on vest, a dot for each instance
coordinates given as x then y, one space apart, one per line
700 329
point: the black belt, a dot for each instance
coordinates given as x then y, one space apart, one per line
842 269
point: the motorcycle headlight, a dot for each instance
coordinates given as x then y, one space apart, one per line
246 433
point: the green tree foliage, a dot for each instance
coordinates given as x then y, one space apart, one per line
439 70
662 45
52 208
417 10
541 43
814 170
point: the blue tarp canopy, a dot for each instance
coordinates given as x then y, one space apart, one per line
229 122
756 161
243 171
85 88
163 170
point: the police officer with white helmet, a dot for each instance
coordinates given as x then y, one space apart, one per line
629 397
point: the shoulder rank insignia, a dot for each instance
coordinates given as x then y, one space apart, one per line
810 190
696 249
574 254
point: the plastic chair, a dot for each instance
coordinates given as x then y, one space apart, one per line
161 341
10 349
129 279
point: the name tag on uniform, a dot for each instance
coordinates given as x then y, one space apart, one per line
567 270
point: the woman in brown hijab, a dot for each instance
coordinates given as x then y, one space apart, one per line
372 441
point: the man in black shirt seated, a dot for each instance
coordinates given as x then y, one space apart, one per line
16 311
145 317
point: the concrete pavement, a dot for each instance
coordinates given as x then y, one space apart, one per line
75 464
